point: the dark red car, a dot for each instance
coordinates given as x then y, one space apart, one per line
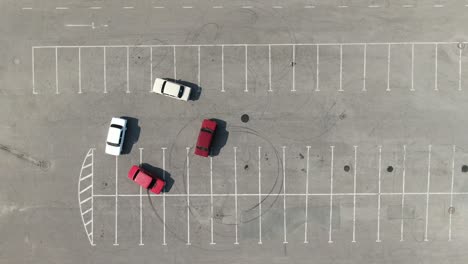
145 180
205 138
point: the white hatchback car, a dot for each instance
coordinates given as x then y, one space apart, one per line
171 89
115 136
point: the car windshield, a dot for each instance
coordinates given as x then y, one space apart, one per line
202 148
116 126
164 85
113 144
207 130
181 92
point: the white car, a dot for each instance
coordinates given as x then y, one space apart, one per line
115 136
171 89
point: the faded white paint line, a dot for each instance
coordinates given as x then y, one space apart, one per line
309 6
217 6
158 7
95 7
407 6
187 7
61 8
277 7
438 5
374 6
128 7
26 8
247 6
343 6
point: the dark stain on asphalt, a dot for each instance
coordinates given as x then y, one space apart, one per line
25 157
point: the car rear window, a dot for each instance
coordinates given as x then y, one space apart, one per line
181 92
116 126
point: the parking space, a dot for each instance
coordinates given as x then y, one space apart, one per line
254 69
219 202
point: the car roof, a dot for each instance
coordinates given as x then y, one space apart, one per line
172 88
113 135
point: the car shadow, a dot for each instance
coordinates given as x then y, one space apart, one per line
220 137
158 172
196 90
131 135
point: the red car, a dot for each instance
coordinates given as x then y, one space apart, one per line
205 138
145 180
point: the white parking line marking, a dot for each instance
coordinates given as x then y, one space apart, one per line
246 74
309 6
164 196
438 6
26 8
85 189
187 7
199 66
128 69
175 62
269 69
188 195
247 6
374 6
436 88
427 191
235 194
451 193
256 45
33 74
128 7
277 7
317 89
364 71
365 194
116 200
141 203
306 197
331 195
294 69
95 7
151 69
217 7
85 200
354 196
378 201
342 6
105 69
87 176
459 69
79 71
89 210
403 193
158 7
56 72
341 69
407 6
284 197
389 50
211 199
259 197
412 68
61 8
222 69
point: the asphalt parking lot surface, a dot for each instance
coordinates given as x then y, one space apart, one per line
342 131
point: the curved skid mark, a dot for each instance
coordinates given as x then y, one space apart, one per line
83 195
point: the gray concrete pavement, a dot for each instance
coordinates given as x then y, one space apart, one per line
354 150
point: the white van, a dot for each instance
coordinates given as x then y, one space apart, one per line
171 89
